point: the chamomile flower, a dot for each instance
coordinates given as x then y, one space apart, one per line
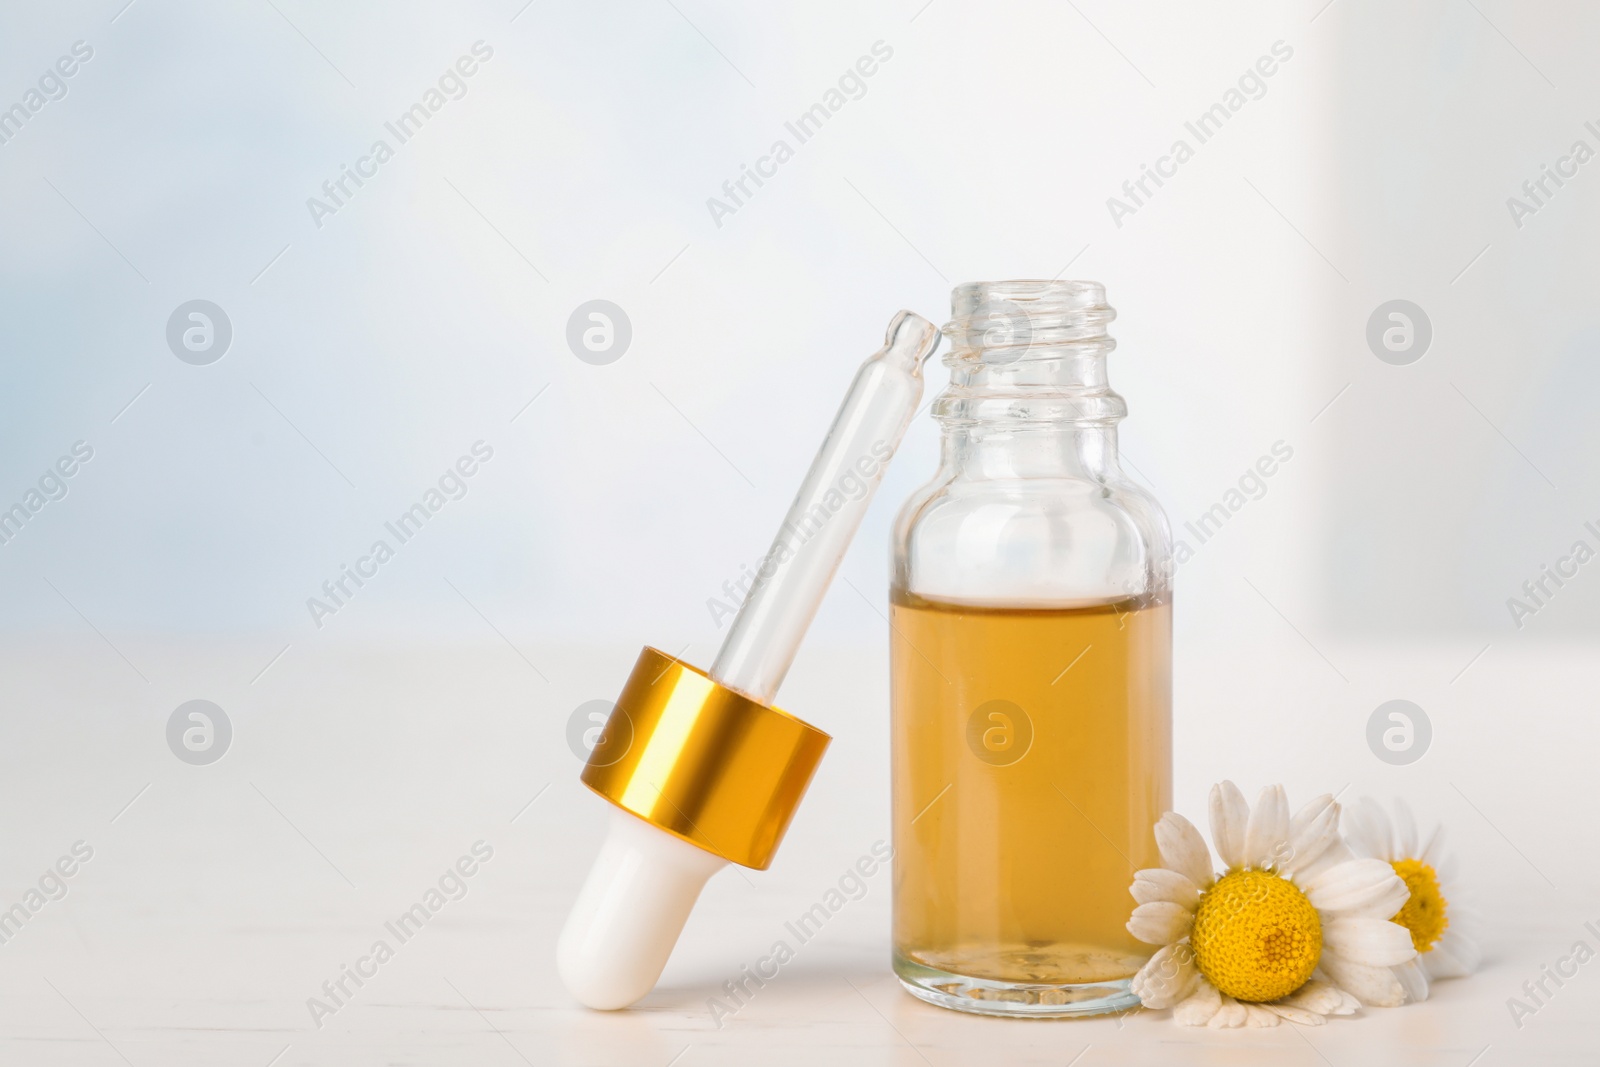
1444 948
1296 927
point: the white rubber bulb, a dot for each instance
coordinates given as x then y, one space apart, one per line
630 912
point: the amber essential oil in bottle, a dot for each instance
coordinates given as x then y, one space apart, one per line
1032 758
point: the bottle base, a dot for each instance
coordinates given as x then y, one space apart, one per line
1026 1000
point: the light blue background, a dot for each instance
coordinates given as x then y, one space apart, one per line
429 310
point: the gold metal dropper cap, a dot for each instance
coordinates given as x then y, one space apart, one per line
703 762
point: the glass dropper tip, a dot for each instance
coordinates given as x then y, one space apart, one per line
909 340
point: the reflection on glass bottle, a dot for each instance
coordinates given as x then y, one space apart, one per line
1032 638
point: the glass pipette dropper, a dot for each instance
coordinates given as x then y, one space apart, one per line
702 770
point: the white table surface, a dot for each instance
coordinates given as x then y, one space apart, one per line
222 897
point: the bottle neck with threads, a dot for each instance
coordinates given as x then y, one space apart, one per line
1028 393
1030 505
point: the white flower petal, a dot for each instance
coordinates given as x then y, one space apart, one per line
1432 847
1230 1014
1295 1015
1370 985
1405 831
1414 979
1230 816
1367 829
1266 835
1375 942
1158 883
1366 888
1321 997
1260 1015
1455 955
1199 1007
1336 853
1167 978
1161 922
1183 849
1312 830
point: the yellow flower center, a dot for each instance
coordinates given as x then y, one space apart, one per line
1256 936
1425 911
